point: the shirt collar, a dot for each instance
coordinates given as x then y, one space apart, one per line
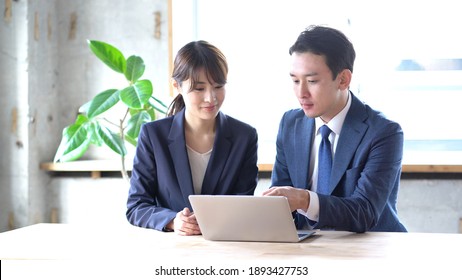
336 122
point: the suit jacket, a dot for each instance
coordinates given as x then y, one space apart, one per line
365 173
161 178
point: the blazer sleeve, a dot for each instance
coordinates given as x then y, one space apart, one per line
291 167
366 197
280 175
143 207
247 178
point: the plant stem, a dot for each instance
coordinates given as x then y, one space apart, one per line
122 135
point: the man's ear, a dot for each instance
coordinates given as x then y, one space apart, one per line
345 79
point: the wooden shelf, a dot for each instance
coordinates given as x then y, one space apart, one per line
428 162
432 162
430 168
84 165
95 167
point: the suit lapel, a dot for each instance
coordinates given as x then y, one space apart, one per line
303 137
352 133
179 155
219 157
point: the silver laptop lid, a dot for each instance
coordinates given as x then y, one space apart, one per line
244 218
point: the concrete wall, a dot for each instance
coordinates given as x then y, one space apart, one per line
22 109
425 205
48 72
431 204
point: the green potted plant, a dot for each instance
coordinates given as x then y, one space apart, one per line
92 127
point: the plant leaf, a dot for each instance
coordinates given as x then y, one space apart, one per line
74 142
159 101
152 113
81 119
102 102
135 68
161 110
135 122
84 108
137 95
108 54
94 136
130 140
111 139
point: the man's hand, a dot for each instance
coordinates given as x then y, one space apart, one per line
298 198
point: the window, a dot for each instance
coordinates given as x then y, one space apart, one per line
409 60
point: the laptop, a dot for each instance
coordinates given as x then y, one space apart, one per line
246 218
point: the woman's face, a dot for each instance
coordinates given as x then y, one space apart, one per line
204 100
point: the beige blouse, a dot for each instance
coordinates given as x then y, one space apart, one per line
198 163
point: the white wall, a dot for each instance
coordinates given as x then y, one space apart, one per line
256 35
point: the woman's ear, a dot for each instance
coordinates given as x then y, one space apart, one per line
176 87
345 79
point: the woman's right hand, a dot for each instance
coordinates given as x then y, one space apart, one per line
185 223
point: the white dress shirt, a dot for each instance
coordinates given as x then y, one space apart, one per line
335 126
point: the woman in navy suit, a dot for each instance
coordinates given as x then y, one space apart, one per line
196 149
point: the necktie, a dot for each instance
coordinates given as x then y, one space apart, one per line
324 161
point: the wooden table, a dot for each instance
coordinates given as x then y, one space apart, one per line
131 251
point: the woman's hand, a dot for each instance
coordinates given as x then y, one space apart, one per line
185 223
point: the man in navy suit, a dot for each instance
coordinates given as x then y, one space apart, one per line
195 150
361 192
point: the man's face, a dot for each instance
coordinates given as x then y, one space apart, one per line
318 93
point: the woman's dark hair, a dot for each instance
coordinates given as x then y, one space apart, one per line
328 42
191 58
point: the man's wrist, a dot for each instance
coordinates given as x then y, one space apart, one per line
307 200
